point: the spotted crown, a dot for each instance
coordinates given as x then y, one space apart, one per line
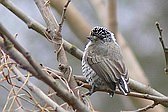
100 32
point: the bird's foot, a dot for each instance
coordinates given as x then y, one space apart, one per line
111 94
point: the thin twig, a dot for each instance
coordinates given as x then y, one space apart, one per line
165 49
59 36
144 108
58 51
9 80
74 18
63 15
147 107
36 90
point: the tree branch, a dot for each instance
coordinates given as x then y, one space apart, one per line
37 91
144 92
63 15
54 84
32 24
54 31
165 49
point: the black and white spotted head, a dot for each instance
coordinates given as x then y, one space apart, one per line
101 33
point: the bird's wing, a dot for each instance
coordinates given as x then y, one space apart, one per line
109 70
116 59
109 67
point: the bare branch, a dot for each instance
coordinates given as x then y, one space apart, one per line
54 31
54 84
37 91
144 92
165 49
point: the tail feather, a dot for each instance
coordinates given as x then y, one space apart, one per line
122 85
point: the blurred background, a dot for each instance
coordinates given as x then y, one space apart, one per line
136 22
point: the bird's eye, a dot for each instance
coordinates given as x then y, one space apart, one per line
95 38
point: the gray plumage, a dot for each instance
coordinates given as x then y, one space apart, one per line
102 62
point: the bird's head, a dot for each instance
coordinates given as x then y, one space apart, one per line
101 34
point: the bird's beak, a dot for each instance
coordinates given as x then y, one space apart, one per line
89 37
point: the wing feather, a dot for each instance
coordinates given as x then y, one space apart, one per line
106 69
108 64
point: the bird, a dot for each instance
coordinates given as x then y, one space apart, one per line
102 62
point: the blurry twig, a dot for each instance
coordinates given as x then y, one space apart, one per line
165 49
112 15
100 6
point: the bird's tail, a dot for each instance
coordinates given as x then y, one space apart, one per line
122 85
